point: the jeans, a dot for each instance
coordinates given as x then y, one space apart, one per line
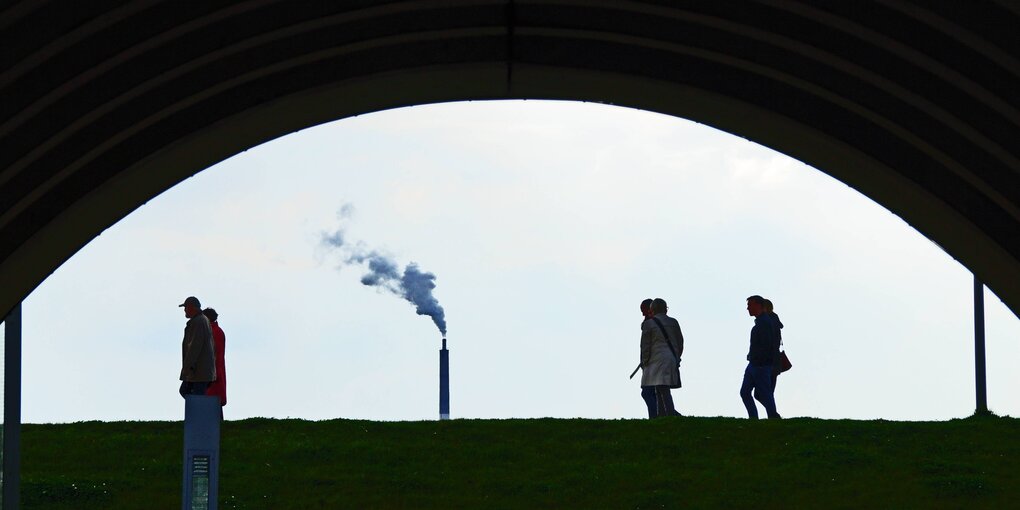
648 394
193 388
760 380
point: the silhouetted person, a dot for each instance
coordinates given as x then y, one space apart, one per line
760 358
198 359
648 392
777 367
219 386
662 344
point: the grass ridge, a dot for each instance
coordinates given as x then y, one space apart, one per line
535 463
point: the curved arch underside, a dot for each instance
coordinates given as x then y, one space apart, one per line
912 103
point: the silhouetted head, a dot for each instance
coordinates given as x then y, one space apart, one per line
192 306
767 305
659 306
646 308
210 314
755 305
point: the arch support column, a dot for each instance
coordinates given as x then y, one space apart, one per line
980 387
12 410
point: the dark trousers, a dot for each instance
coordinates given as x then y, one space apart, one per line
193 388
648 395
776 370
664 401
759 379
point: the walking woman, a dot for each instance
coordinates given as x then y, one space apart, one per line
777 368
662 344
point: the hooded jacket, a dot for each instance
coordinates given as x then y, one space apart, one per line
764 348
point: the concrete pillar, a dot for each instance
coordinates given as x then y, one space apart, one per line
201 452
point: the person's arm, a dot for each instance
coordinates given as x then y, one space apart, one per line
221 348
775 338
192 347
767 343
755 341
679 341
209 343
646 343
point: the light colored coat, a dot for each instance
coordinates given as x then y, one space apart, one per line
198 358
658 365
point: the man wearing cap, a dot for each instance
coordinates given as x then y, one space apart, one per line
198 359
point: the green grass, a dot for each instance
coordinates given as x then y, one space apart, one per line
672 463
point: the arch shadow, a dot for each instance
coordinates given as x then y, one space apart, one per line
912 105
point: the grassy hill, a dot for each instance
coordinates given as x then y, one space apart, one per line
671 463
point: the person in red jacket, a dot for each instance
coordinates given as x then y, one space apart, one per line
219 386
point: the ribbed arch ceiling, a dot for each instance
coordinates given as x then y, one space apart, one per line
105 106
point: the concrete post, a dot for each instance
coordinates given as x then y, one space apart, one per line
201 452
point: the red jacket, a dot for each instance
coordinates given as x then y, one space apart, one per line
219 386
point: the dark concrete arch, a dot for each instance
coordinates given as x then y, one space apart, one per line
912 103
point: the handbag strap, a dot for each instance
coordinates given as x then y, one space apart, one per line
666 336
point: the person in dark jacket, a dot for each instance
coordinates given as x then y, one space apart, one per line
198 359
761 356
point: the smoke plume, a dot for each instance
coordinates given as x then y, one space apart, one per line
412 284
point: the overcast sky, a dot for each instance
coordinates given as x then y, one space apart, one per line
545 223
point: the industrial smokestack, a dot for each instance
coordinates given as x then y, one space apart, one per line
444 382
